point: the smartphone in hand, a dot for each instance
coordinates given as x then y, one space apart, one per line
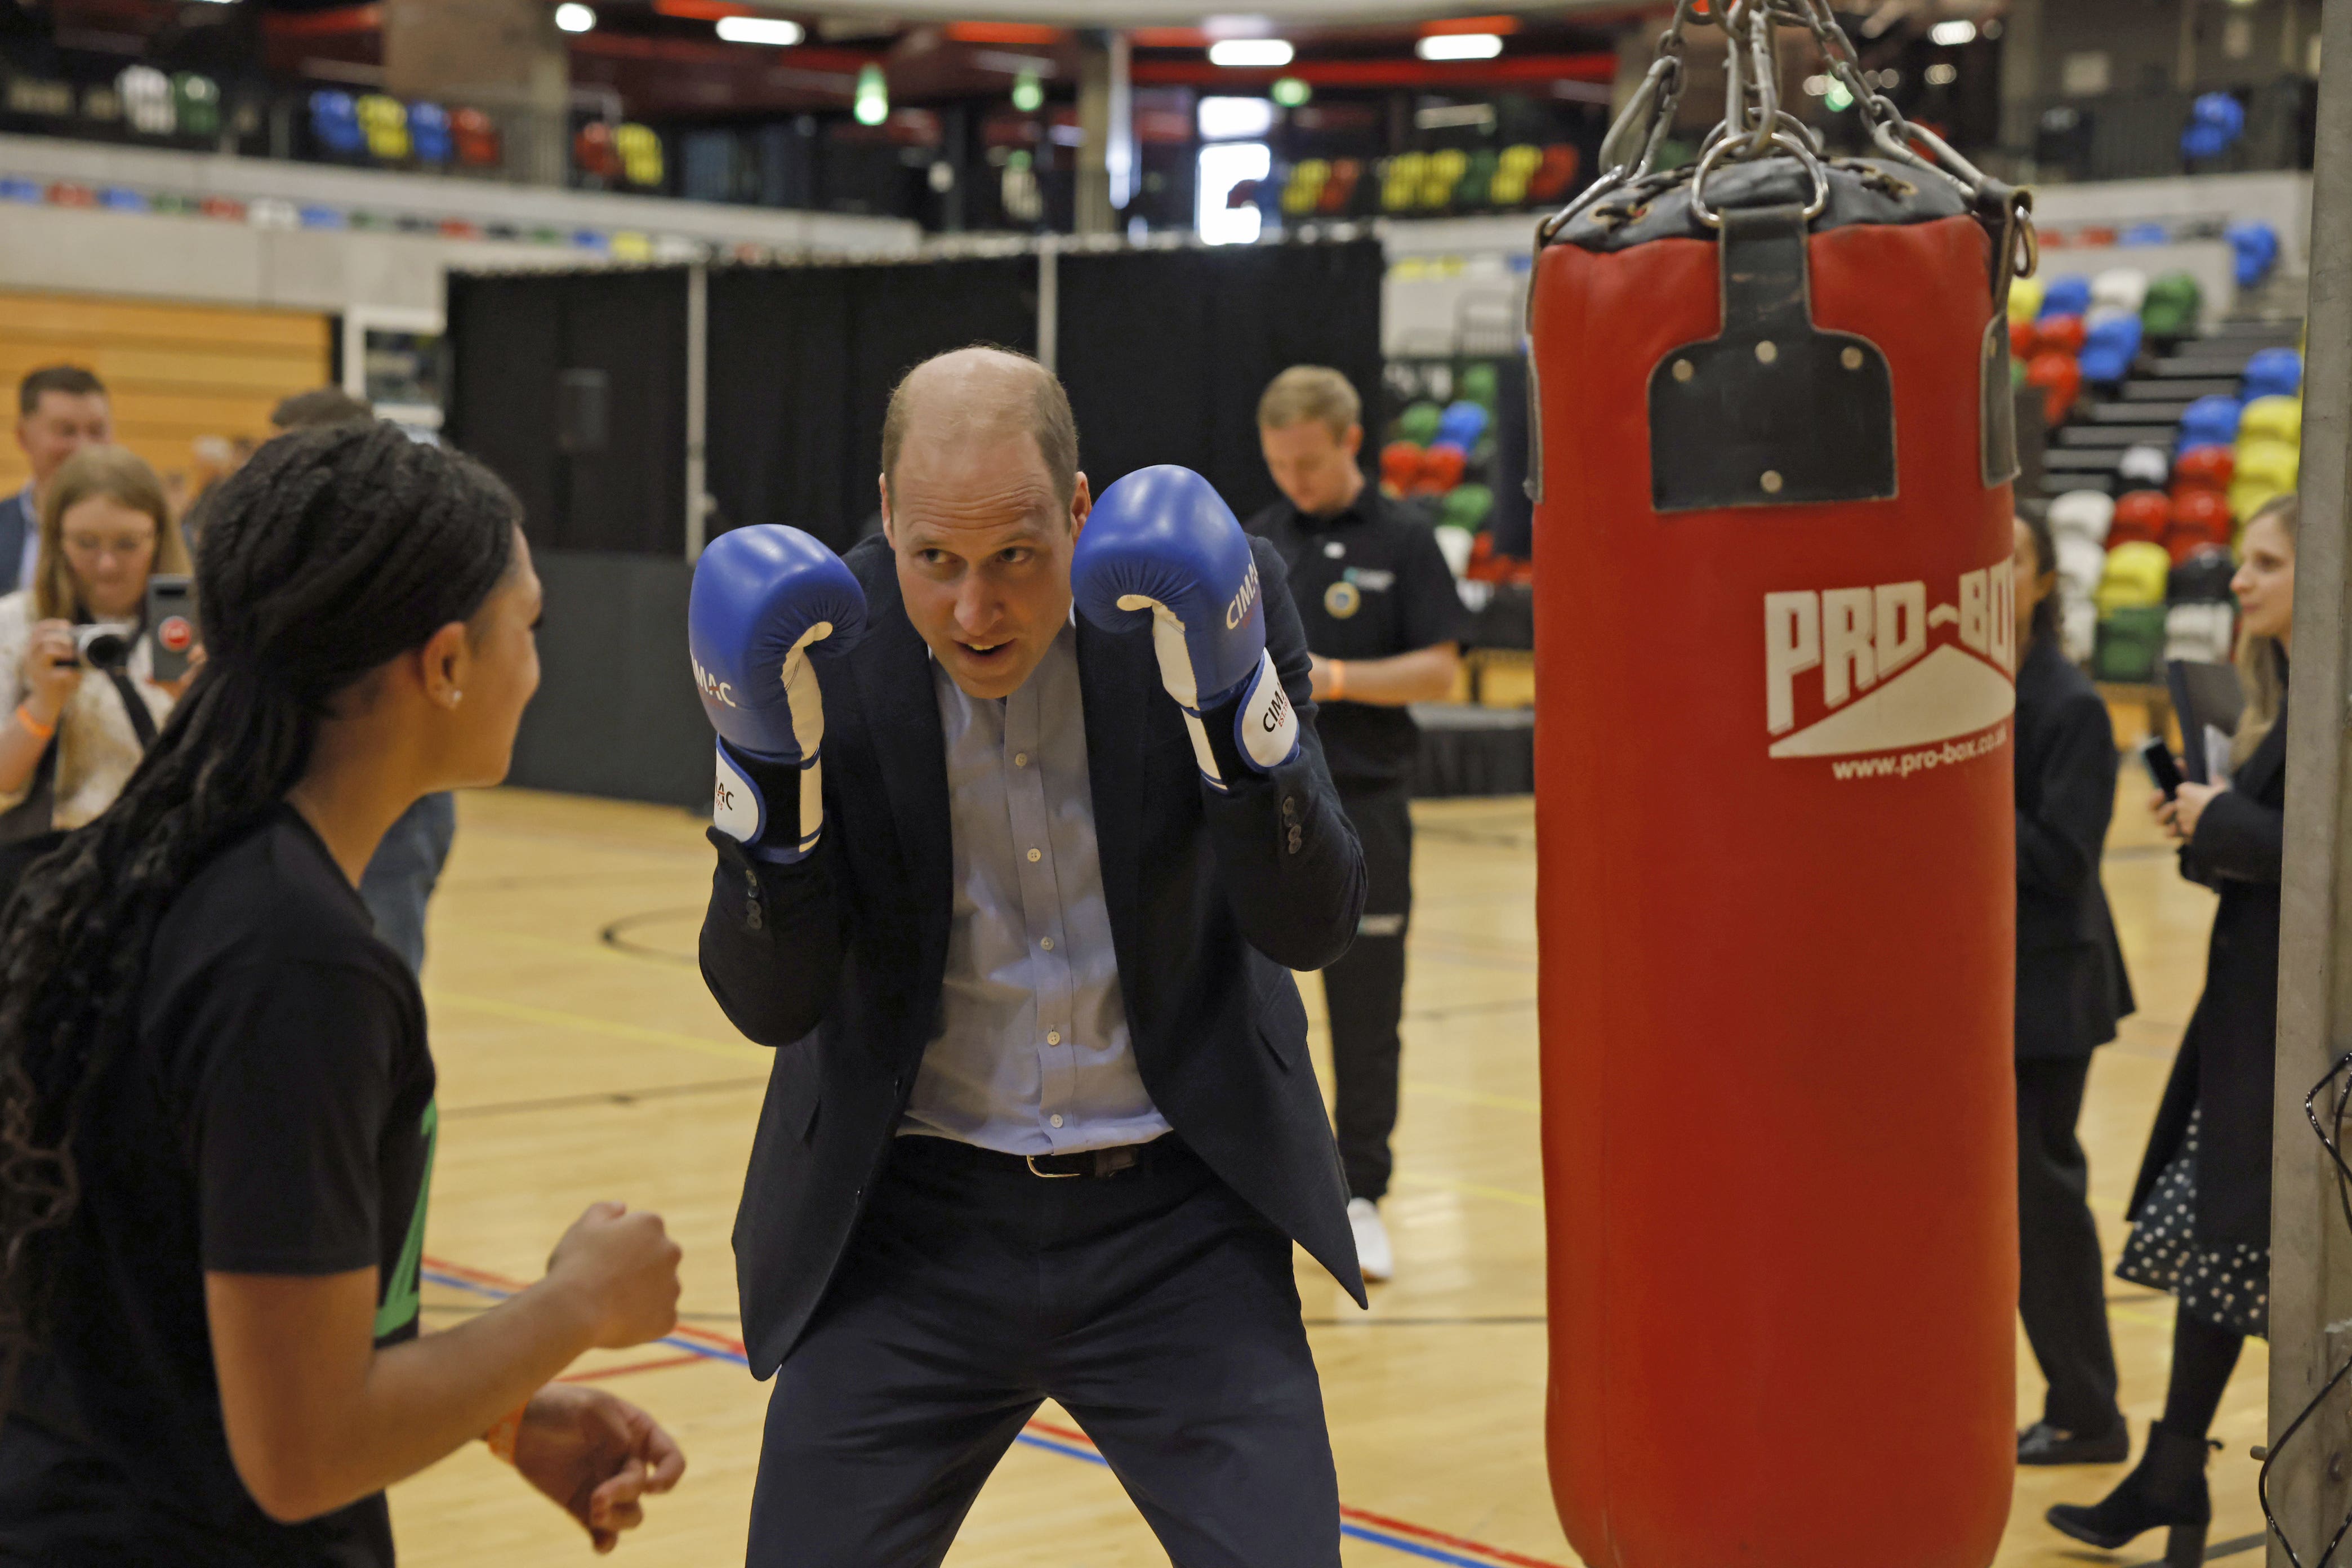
2161 767
171 624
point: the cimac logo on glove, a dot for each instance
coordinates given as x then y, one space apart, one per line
1850 671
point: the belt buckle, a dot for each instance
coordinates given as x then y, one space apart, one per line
1049 1175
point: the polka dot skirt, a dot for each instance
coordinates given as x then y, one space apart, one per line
2229 1286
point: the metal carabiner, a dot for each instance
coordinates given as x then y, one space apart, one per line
1804 155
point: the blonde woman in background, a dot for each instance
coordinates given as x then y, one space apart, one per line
2201 1212
69 737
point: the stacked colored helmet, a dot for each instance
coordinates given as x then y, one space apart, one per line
2025 298
1419 422
2024 338
2216 120
2211 421
2139 234
2111 347
2143 467
1463 424
1441 468
2120 288
2202 577
2275 418
1465 506
1400 466
2082 514
2142 516
2081 563
2204 469
2136 574
2174 303
1477 382
2068 296
2063 334
2200 519
2255 247
2059 377
2273 372
2266 470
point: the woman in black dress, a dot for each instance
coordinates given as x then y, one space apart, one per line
2201 1209
2071 989
217 1119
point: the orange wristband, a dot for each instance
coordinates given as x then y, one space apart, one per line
1338 678
504 1431
33 727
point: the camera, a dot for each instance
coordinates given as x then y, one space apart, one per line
105 645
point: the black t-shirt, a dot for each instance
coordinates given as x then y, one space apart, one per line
1371 582
272 1114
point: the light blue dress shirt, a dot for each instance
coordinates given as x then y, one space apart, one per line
1033 1056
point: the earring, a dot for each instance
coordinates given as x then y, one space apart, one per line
455 697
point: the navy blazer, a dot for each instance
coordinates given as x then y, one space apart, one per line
837 961
2072 986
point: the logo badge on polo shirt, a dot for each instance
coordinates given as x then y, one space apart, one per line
1342 600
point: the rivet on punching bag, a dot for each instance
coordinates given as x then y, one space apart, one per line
1771 456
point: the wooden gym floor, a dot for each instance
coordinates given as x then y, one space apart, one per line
580 1059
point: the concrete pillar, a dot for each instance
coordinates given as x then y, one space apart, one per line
1106 124
2020 89
503 56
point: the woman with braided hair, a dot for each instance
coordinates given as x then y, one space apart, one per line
216 1111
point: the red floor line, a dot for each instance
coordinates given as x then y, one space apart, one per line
1361 1516
596 1374
1065 1434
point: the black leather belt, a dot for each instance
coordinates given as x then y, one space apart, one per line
1093 1163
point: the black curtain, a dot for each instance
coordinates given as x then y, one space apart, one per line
572 388
801 363
1165 352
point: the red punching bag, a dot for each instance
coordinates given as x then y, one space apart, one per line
1775 845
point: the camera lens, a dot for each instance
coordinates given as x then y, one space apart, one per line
105 646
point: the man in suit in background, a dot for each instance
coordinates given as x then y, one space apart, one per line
60 409
1042 1122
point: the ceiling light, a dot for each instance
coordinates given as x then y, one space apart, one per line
1943 75
1953 34
777 31
1459 47
574 18
1264 54
1234 118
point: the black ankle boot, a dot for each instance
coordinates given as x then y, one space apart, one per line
2166 1488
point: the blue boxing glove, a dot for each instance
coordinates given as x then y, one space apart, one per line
766 601
1161 545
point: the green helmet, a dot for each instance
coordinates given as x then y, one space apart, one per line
1419 422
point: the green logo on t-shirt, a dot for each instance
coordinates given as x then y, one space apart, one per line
401 1297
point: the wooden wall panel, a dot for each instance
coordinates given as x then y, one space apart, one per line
173 372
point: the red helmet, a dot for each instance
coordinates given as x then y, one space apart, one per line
2204 468
1400 465
2141 517
2061 381
2200 519
2063 333
2024 339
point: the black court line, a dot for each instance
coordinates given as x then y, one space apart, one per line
2214 1551
1365 1320
615 936
610 1097
1469 1009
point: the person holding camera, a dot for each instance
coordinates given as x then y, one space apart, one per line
2200 1211
76 680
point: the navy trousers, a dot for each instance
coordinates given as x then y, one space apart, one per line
399 879
1154 1304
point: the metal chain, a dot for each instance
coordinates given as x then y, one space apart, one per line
1753 117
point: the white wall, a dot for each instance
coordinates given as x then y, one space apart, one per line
93 250
2282 200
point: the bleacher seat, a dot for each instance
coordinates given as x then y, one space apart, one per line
2082 514
2110 348
2144 467
2142 516
2274 418
335 124
428 132
2067 296
2120 288
2273 372
2211 421
2255 246
2174 303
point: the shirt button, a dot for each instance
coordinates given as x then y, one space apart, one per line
1020 759
1035 856
1047 945
1057 1120
1052 1037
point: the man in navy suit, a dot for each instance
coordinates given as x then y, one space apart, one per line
1041 1123
60 409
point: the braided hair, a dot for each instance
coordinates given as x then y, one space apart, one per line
329 553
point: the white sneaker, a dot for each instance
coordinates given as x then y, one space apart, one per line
1373 1253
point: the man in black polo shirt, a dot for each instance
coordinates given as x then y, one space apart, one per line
1384 625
